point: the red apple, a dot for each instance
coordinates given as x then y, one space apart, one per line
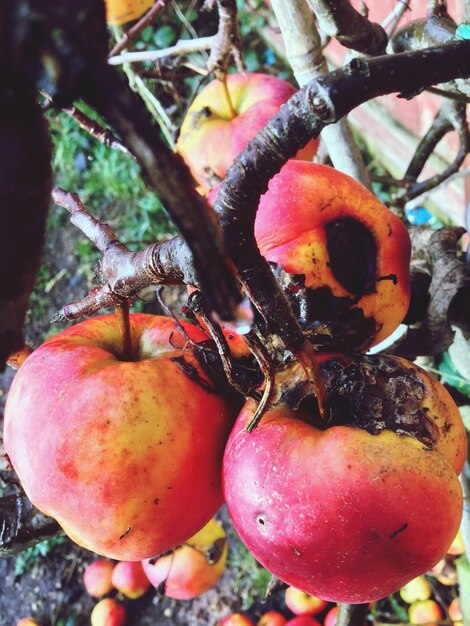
193 568
301 603
116 449
302 620
425 612
351 511
97 578
130 579
272 618
212 136
236 619
340 255
331 617
109 612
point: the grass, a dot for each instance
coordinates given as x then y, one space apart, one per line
26 559
250 579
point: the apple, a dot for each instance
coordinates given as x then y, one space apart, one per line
122 11
303 620
272 618
116 449
425 612
340 255
458 547
109 612
97 578
212 135
416 589
236 619
27 621
193 568
130 579
455 612
301 603
445 572
351 510
331 617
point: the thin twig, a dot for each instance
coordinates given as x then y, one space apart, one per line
182 47
144 21
390 23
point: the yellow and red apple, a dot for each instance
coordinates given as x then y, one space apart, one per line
115 448
192 568
97 577
212 135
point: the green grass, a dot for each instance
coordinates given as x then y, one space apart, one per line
26 560
250 579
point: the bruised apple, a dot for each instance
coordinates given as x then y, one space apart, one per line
193 568
352 510
340 255
212 135
116 449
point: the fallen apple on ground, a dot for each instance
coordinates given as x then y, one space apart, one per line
416 589
301 603
212 135
130 579
108 612
97 577
425 612
113 447
272 618
193 568
236 619
352 510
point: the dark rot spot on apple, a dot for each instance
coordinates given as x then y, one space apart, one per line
353 254
156 501
216 550
376 393
261 523
330 322
398 531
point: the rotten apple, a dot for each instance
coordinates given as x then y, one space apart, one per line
350 510
115 447
340 255
220 123
192 568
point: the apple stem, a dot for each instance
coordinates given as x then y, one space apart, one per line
122 312
307 358
233 113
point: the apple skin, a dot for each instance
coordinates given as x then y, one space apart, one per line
27 621
130 579
425 612
416 589
108 612
97 578
187 571
303 620
342 514
272 618
210 138
122 11
114 450
301 603
331 617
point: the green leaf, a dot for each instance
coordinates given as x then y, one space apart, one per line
452 376
165 36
